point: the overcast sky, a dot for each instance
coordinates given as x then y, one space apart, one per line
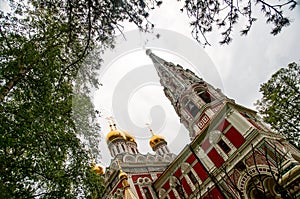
131 91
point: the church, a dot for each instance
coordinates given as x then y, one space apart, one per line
231 154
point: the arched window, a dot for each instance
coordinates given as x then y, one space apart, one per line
204 94
192 108
261 186
224 146
123 147
147 193
192 177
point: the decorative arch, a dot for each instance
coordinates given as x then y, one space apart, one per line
107 173
118 194
261 185
159 158
151 158
114 165
141 158
144 181
176 187
202 92
190 175
167 158
129 158
174 181
250 177
161 193
185 168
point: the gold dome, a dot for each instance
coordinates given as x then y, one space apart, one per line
156 139
113 135
98 169
123 175
129 137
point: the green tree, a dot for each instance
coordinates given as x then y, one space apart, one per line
47 121
280 103
206 16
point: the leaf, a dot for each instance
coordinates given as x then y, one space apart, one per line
158 3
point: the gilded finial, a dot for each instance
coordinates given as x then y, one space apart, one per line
122 175
113 123
149 127
114 132
110 122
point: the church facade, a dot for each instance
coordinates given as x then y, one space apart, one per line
232 153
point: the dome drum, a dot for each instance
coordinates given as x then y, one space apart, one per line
158 145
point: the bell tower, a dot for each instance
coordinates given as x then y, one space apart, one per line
195 101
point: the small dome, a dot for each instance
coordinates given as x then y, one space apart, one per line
129 137
113 135
123 175
98 169
156 139
148 52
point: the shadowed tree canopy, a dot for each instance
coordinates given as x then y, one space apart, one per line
280 103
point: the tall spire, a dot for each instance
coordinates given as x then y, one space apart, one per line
173 78
194 100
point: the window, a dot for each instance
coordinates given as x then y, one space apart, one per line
204 95
179 190
147 192
172 86
192 108
123 147
192 177
224 146
271 153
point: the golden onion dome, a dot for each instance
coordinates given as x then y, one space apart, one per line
114 134
123 175
129 137
156 139
98 169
